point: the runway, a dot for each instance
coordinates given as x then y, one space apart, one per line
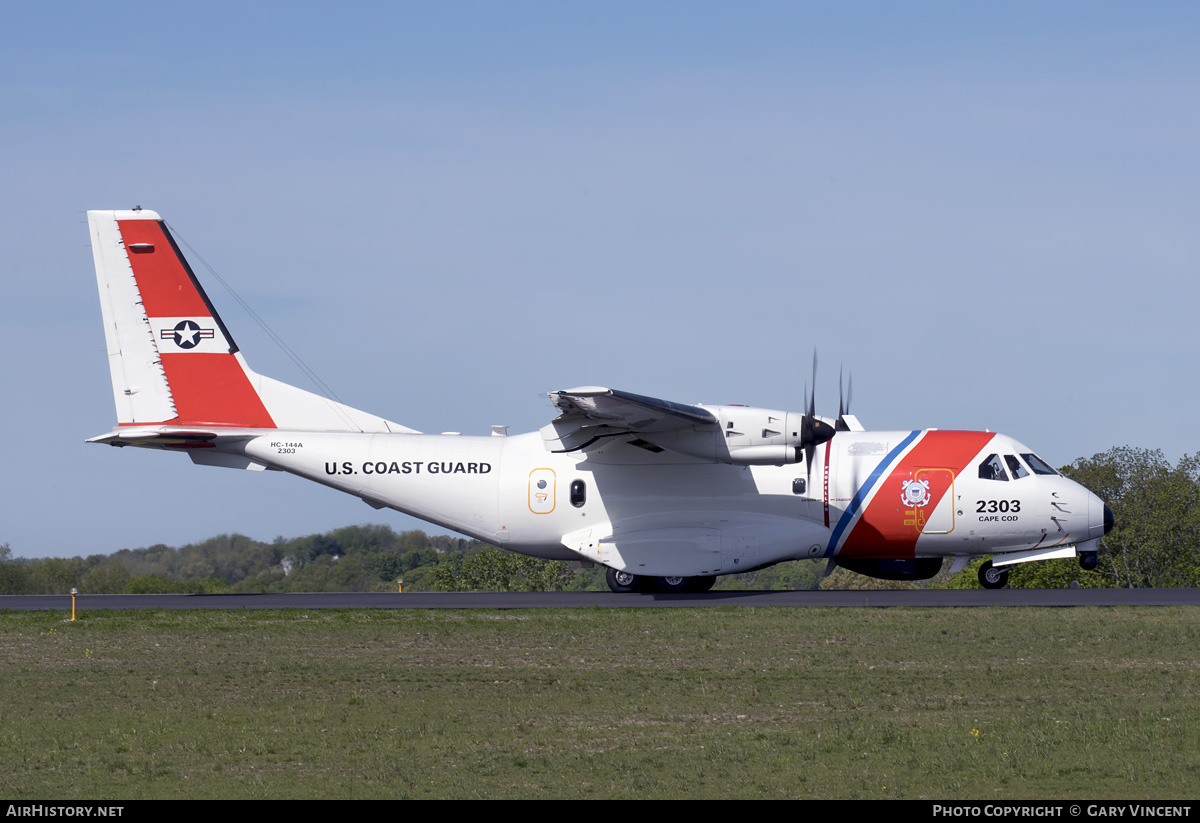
940 598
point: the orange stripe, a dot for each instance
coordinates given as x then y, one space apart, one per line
209 389
166 289
213 390
881 531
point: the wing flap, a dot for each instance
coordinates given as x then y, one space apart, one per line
637 412
592 415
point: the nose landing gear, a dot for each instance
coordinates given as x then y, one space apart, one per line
991 577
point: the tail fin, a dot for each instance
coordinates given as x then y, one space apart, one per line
172 360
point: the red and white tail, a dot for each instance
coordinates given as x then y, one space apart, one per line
172 360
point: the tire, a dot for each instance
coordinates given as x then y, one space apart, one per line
1089 560
670 585
991 577
622 582
701 584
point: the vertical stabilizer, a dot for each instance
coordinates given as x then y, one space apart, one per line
139 382
171 358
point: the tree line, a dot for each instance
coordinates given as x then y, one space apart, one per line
1155 542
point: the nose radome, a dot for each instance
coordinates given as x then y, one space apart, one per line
1100 516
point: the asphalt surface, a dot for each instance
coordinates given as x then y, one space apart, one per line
606 600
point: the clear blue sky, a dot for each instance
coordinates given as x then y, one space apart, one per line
988 212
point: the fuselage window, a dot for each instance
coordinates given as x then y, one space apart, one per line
578 493
1014 466
992 468
1038 464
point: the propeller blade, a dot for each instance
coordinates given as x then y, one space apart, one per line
814 432
812 398
844 402
841 398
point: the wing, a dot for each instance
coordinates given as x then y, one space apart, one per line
743 435
592 414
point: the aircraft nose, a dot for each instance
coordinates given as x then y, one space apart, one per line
1100 517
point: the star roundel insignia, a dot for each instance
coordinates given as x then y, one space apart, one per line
187 334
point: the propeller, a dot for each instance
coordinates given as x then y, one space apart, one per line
844 402
813 432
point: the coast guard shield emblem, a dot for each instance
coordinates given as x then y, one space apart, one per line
915 493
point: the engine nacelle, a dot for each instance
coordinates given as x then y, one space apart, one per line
749 436
765 455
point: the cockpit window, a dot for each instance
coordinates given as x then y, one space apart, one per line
1014 466
992 468
1038 464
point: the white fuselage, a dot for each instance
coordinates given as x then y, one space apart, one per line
642 485
663 513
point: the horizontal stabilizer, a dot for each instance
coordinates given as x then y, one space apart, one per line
165 437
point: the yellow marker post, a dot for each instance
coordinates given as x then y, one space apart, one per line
74 592
400 586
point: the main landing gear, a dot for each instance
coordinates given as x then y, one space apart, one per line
623 582
992 578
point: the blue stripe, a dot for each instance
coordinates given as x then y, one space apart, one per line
864 490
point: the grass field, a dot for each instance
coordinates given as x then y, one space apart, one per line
981 704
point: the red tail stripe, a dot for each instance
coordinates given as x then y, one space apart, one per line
209 389
167 290
212 390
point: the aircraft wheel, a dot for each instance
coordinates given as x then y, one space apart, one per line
673 584
621 582
992 578
1089 560
701 584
